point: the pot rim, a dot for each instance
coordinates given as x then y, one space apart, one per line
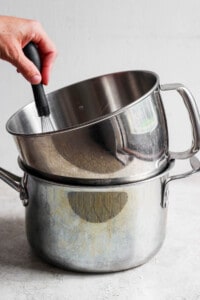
91 122
70 182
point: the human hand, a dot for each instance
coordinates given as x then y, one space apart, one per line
15 34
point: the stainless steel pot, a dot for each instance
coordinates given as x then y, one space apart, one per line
111 128
95 229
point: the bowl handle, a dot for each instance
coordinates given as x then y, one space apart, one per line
195 164
193 111
17 183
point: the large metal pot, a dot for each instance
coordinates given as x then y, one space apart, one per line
95 229
111 128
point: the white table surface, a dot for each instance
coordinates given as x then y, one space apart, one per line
173 274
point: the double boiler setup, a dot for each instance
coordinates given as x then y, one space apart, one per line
95 184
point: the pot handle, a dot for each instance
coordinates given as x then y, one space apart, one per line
17 183
193 111
195 164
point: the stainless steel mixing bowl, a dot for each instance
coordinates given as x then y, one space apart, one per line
109 129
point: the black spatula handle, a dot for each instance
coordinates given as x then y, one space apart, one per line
31 52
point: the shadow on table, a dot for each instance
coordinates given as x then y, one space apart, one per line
16 253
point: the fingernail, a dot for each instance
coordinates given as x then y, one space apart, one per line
35 79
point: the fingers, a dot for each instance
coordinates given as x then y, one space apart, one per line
28 69
24 66
47 64
15 34
47 51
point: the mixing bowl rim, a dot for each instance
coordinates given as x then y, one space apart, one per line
93 121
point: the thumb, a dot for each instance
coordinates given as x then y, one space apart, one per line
27 69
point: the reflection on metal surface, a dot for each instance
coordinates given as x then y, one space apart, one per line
111 127
97 207
96 229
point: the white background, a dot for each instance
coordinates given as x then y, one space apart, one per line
98 37
93 38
